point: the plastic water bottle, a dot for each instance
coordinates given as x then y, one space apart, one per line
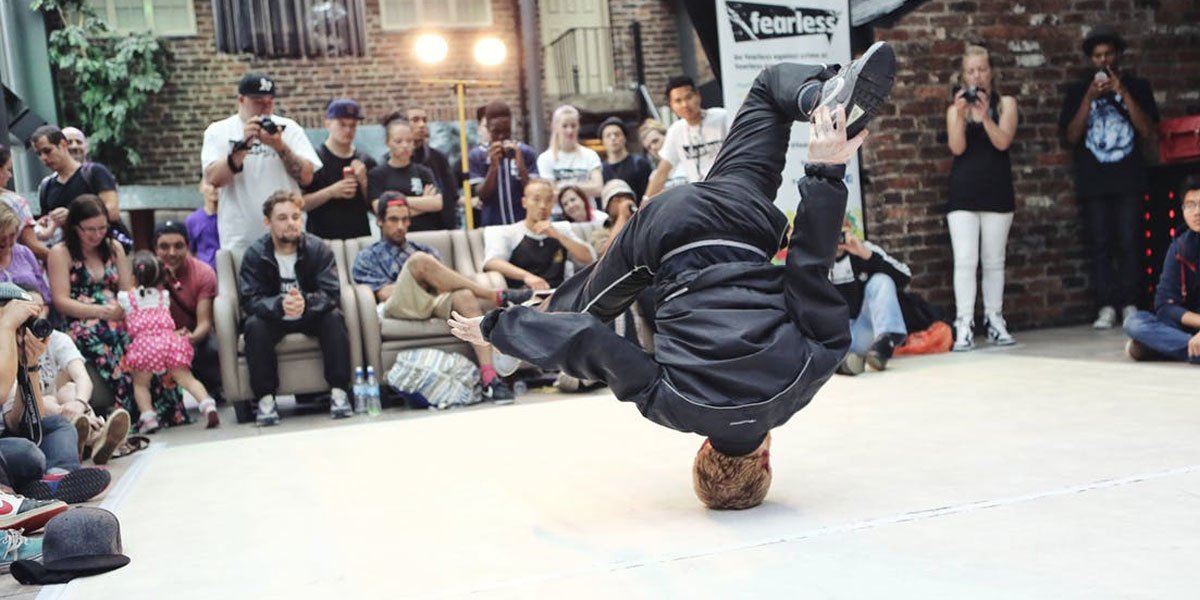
360 395
374 408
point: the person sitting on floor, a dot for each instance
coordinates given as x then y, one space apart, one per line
410 282
534 252
869 280
1172 331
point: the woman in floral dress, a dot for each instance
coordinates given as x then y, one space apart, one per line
86 272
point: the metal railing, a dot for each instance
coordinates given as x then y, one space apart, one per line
595 60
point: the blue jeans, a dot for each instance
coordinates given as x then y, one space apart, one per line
880 314
27 462
1167 339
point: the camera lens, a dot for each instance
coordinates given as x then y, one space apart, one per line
39 327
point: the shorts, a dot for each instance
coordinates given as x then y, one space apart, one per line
411 301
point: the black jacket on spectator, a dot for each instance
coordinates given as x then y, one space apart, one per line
316 275
880 262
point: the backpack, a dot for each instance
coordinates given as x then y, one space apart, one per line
432 378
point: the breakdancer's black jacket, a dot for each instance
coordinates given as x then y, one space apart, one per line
741 344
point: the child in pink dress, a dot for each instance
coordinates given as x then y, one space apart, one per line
157 346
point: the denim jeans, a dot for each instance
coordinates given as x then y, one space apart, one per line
28 462
880 314
1167 339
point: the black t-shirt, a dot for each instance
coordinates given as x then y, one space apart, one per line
410 181
1109 160
339 218
89 178
634 169
447 182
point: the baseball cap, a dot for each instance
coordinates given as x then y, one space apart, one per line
344 108
256 84
616 187
611 121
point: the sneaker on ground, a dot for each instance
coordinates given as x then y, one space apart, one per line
268 413
208 408
566 383
504 364
77 486
881 351
148 423
861 86
498 392
339 405
15 546
83 431
1128 312
852 364
109 438
1139 351
1106 319
997 331
29 514
964 335
513 297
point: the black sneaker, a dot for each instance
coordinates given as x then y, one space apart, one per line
498 392
882 350
77 486
513 297
862 86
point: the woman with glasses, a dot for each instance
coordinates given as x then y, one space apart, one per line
86 272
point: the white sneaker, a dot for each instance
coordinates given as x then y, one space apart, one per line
997 330
268 414
1106 319
339 404
504 364
1128 312
964 335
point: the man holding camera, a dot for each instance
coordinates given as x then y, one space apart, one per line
1105 119
505 166
250 156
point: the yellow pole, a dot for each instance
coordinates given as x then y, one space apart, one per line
460 88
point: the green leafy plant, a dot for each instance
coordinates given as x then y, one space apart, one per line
111 76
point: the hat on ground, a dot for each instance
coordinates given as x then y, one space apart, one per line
80 542
612 121
1102 34
256 84
725 482
616 187
344 108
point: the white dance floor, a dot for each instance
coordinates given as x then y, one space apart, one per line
987 475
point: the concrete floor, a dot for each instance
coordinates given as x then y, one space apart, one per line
1053 469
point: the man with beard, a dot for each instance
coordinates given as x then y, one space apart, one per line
289 283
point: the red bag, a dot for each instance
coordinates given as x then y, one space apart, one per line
1179 139
937 338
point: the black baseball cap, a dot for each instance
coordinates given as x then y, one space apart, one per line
612 121
256 84
344 108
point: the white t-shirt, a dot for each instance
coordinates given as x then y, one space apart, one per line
287 275
499 241
569 167
693 149
60 352
239 212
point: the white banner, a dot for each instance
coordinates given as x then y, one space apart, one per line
754 35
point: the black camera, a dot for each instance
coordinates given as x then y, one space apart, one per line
39 327
271 127
508 152
971 94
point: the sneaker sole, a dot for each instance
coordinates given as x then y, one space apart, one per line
73 488
212 419
35 519
116 429
867 87
876 361
267 421
341 414
82 432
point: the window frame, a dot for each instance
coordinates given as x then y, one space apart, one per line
107 9
419 23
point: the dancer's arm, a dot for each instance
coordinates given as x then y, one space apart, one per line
576 343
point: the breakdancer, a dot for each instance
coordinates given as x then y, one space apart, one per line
741 344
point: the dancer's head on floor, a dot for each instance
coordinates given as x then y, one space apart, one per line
725 482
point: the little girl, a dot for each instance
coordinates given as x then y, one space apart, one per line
156 345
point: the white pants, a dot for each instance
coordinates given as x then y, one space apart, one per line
973 234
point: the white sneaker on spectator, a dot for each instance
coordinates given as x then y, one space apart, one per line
504 364
1128 312
339 405
1106 319
997 330
268 414
964 335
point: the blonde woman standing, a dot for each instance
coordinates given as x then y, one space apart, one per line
566 162
980 126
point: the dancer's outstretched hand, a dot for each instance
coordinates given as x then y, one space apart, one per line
466 328
827 142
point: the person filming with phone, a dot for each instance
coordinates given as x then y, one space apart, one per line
1107 118
336 199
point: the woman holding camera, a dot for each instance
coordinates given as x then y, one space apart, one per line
980 126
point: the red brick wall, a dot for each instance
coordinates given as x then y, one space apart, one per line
201 86
1035 51
660 39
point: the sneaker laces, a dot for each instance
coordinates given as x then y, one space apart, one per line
13 540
